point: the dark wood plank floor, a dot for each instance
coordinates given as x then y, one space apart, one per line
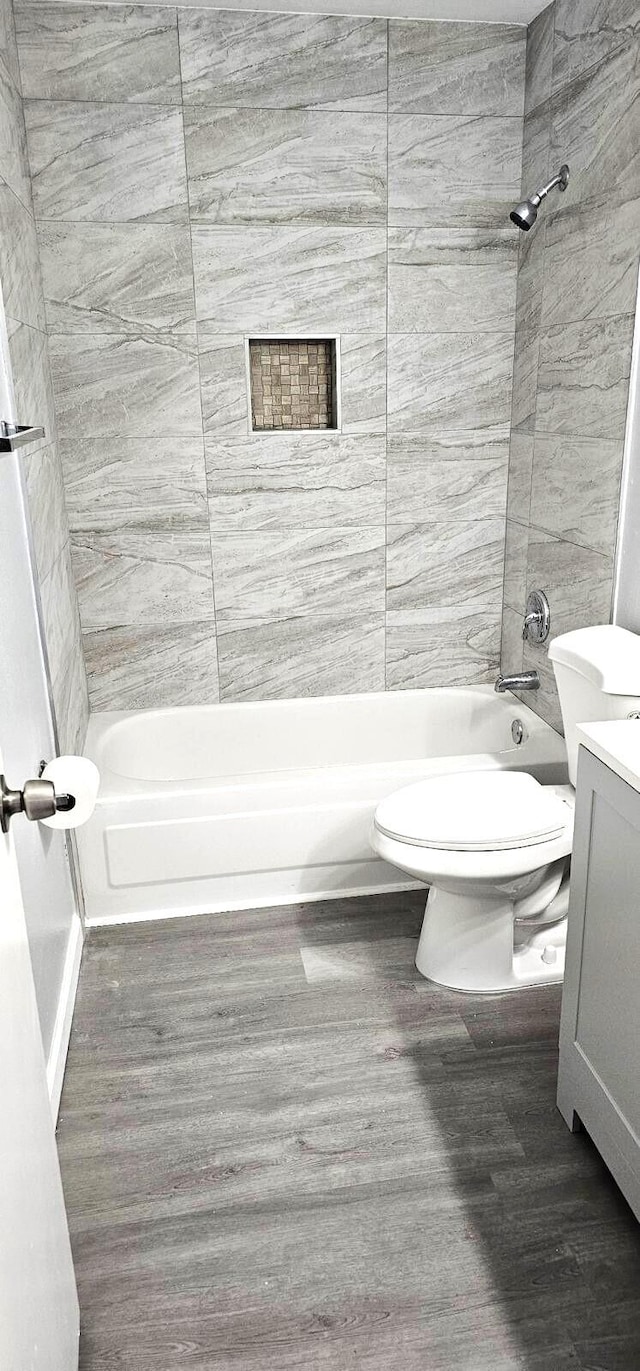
284 1151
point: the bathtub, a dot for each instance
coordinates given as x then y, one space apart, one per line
221 807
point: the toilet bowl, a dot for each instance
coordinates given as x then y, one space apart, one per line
494 847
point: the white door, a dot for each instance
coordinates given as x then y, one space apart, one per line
39 1319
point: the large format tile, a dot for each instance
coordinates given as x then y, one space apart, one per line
117 278
8 44
287 573
433 480
14 166
587 30
539 64
575 489
47 507
583 379
444 381
363 388
515 566
59 613
224 386
19 265
139 667
147 483
512 645
444 563
451 646
99 52
595 127
128 386
440 68
286 166
135 576
520 468
447 297
106 161
281 658
290 279
31 372
591 262
453 169
577 581
307 480
303 61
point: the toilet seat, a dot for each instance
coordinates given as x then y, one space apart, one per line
478 811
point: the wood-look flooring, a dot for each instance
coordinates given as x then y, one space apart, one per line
283 1150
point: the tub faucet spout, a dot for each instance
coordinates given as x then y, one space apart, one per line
522 680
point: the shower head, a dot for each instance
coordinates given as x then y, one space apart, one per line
526 213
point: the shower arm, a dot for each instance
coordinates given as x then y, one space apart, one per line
561 180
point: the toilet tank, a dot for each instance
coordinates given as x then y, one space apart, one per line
597 672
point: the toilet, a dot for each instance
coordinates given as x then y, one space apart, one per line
494 846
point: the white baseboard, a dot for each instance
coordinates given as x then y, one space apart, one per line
62 1027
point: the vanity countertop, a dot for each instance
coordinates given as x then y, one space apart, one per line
617 744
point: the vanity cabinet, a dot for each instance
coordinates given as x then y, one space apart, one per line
599 1072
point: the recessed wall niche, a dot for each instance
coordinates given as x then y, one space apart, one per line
293 383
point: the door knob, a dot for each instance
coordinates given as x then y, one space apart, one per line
37 800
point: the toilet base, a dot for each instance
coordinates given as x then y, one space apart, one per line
472 943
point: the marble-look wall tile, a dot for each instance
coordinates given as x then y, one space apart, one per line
224 387
14 167
135 576
117 278
47 509
536 156
153 484
577 581
544 701
64 653
71 698
512 645
583 379
286 166
283 61
451 68
289 279
451 646
441 381
421 485
281 658
520 469
8 44
19 264
99 52
595 128
443 563
32 379
591 262
152 667
588 30
363 370
291 572
447 297
539 64
575 490
106 162
515 566
287 480
129 386
453 169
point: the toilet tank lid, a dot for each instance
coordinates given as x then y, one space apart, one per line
606 655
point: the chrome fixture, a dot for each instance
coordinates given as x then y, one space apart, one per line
521 680
537 618
37 800
13 436
517 732
526 213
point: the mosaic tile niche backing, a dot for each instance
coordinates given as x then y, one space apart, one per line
292 383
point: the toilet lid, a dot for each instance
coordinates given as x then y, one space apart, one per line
473 811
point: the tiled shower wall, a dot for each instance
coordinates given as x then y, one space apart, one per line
26 326
577 284
200 176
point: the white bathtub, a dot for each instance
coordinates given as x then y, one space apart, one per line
239 805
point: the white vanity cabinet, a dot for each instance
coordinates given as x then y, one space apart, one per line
599 1072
